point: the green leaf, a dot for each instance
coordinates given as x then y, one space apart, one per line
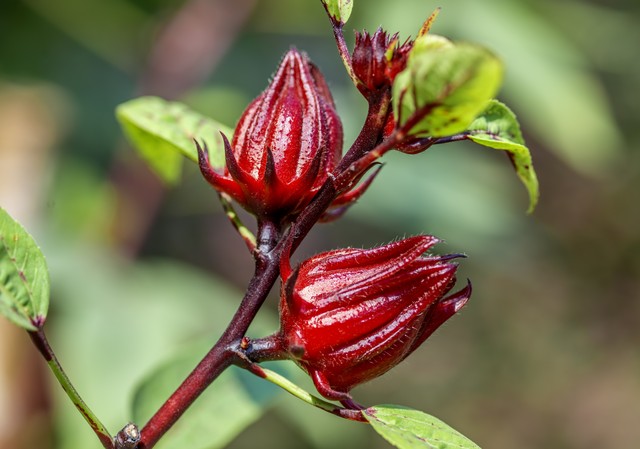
339 10
411 429
430 42
234 401
497 127
444 87
162 132
24 277
552 81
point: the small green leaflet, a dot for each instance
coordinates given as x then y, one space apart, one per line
163 131
24 277
497 127
444 86
411 429
339 10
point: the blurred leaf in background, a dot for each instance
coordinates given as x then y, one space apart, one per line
545 354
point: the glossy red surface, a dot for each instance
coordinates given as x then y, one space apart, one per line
350 315
285 144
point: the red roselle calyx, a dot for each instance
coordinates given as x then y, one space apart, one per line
286 143
377 59
350 315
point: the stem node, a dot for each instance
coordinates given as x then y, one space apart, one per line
128 437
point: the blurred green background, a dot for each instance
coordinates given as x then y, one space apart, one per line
546 354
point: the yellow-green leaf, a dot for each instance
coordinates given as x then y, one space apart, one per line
411 429
339 10
24 277
497 127
163 132
444 87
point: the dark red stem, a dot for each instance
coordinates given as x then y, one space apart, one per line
371 133
226 351
271 246
266 349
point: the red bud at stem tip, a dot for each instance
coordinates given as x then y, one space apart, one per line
377 59
350 315
286 143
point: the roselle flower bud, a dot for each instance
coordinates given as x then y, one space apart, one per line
350 315
378 59
286 143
